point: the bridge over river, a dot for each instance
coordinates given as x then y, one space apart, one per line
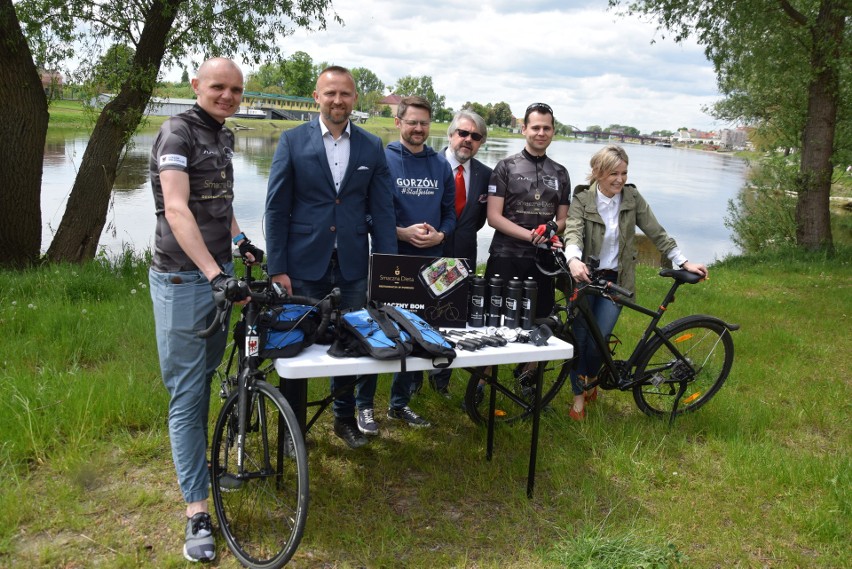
658 140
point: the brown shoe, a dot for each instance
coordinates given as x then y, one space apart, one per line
577 415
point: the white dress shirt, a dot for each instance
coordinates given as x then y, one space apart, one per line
337 153
608 210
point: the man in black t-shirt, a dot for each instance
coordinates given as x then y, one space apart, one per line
527 190
193 182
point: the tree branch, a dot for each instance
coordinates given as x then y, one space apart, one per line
794 14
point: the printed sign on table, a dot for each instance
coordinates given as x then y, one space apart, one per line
435 288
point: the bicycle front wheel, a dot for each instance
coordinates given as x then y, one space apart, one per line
515 390
701 355
263 505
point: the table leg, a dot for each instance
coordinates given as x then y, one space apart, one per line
536 416
492 407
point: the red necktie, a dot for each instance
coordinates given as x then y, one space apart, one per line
461 193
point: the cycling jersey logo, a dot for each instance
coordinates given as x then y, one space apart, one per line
173 160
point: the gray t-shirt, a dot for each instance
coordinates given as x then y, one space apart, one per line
195 143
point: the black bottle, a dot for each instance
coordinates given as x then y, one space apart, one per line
495 301
530 303
512 303
476 315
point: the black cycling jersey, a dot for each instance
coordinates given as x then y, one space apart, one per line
195 143
532 188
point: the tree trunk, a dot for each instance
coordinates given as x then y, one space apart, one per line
813 222
23 128
77 237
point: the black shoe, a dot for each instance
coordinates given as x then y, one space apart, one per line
409 416
367 423
347 429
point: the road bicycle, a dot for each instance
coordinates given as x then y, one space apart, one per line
258 463
672 370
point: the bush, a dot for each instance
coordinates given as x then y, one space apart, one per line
764 216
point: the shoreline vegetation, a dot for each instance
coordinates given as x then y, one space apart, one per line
89 482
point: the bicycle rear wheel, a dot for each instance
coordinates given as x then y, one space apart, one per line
515 389
705 355
263 508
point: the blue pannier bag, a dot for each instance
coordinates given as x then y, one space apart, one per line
385 332
288 329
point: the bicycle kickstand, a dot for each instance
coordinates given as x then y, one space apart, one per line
680 391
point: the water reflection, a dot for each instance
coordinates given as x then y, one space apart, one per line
687 189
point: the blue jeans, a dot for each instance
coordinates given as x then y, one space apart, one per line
183 305
589 359
353 294
401 387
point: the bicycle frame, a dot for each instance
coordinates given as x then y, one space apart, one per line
622 375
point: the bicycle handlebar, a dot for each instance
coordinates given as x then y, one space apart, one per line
598 283
264 293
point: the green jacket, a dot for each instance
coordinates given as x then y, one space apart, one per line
585 229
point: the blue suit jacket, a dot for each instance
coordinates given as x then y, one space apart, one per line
304 214
462 243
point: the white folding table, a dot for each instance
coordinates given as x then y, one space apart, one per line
314 362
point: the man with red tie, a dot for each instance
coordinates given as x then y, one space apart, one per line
467 133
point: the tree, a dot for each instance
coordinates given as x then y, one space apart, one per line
21 142
478 108
184 77
160 31
299 75
112 69
784 68
267 75
408 86
366 81
502 114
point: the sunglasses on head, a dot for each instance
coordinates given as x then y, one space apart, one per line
475 136
539 107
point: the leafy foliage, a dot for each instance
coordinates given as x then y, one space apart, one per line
783 67
763 217
409 85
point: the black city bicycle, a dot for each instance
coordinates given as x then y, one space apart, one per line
258 463
672 370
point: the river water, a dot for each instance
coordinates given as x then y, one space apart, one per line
687 189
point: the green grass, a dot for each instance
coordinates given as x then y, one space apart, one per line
760 477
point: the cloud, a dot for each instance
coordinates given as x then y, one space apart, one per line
591 65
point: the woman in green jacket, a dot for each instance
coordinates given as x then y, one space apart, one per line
601 231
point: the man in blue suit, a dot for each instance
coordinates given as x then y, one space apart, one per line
329 189
467 132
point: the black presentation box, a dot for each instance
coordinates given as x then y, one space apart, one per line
435 288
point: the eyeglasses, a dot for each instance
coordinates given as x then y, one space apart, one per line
475 136
540 107
407 122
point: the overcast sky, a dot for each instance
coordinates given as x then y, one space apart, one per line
591 66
